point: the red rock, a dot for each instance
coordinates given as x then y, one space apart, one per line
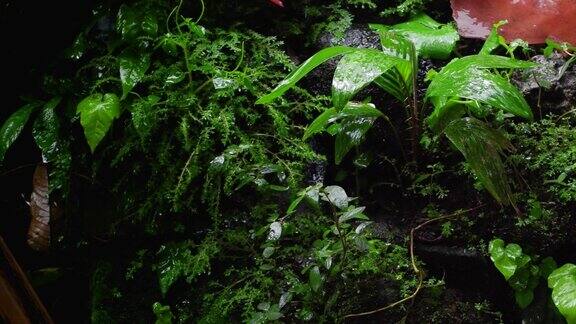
530 20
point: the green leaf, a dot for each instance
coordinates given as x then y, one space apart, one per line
13 126
315 279
97 112
305 68
336 196
350 134
133 67
562 281
547 266
268 251
55 149
482 148
356 70
319 124
127 22
163 313
431 39
494 39
524 297
507 259
355 213
469 78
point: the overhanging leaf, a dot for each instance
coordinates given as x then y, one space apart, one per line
562 281
357 69
133 67
431 39
305 68
482 147
13 126
97 112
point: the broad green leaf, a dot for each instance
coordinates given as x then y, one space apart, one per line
469 78
356 70
507 259
336 196
55 149
97 112
133 67
494 39
547 266
354 213
315 278
305 68
562 281
431 39
13 126
482 148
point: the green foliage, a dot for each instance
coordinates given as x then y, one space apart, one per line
404 8
163 314
431 39
520 270
562 281
97 112
13 126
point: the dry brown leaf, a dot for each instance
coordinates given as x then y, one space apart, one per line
39 230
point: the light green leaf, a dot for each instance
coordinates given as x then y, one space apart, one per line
268 251
357 69
482 148
336 196
305 68
469 78
97 112
431 39
562 281
507 259
494 39
13 126
133 67
315 279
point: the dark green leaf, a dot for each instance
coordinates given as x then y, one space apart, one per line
524 297
482 148
127 22
55 149
163 313
355 213
306 67
133 67
319 124
351 134
315 278
97 112
562 281
13 126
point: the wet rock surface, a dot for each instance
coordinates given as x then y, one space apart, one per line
550 87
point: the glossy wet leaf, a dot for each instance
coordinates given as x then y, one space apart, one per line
315 278
54 146
305 68
431 39
351 133
133 67
352 109
275 231
97 112
354 213
13 126
562 281
507 258
494 39
127 22
482 148
358 69
469 78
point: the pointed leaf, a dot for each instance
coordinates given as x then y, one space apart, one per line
562 281
97 112
13 126
319 124
133 67
482 147
356 70
305 68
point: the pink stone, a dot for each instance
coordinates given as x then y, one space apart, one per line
530 20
